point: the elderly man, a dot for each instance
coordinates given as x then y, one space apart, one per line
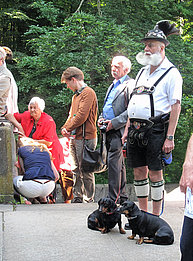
83 112
153 115
114 116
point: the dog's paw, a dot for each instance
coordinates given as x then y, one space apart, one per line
131 237
140 241
104 230
148 241
122 231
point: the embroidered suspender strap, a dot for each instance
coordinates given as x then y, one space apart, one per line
134 90
156 83
139 77
153 88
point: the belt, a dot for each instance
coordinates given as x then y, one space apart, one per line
41 182
161 118
138 123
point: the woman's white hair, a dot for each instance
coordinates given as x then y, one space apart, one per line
40 103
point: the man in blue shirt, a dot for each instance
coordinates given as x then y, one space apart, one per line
114 116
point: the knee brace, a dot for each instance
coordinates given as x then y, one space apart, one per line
141 188
157 189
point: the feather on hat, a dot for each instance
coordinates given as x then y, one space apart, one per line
161 31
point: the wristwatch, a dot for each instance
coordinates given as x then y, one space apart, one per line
170 137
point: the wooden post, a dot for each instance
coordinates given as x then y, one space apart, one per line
6 162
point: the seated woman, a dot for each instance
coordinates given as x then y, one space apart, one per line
39 171
40 126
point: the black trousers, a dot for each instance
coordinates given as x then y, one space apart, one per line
186 241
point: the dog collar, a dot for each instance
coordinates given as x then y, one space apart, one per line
130 218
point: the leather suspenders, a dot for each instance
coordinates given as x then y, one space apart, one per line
149 90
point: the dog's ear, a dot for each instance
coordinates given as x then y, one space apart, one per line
112 206
134 210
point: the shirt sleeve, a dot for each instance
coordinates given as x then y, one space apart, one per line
175 88
18 116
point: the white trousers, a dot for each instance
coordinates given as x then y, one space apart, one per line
33 189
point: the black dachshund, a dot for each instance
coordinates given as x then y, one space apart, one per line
105 217
156 230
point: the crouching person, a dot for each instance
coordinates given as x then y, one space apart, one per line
39 172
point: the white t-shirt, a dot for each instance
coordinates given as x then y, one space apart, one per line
166 93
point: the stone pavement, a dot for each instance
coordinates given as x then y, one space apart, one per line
59 232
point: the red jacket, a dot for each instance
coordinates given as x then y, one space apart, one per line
45 130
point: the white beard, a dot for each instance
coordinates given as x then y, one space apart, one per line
150 59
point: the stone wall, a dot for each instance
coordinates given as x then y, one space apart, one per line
101 190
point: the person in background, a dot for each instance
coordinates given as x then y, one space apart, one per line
83 114
39 173
38 125
114 118
186 186
66 175
11 102
153 112
5 83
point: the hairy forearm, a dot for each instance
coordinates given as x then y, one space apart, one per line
174 116
189 152
187 173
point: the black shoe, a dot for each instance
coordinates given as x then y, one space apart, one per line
127 226
77 200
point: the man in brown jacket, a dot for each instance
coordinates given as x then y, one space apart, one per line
83 111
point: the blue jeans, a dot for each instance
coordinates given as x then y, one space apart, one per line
186 241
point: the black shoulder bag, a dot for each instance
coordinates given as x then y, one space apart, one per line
94 160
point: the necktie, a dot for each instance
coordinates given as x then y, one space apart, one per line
117 83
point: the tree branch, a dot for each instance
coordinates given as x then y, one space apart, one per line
79 6
99 7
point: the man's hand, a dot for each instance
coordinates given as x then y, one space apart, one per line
109 126
168 146
187 177
65 133
124 138
100 122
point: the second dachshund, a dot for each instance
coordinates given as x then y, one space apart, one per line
146 225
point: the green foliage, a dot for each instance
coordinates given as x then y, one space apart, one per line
83 40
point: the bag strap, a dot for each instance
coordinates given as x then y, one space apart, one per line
103 138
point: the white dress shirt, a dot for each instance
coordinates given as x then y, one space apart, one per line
166 93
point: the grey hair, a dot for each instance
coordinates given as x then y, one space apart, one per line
2 54
40 102
124 60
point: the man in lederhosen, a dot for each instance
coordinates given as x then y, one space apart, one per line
153 112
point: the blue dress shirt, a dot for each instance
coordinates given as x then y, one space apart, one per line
108 113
